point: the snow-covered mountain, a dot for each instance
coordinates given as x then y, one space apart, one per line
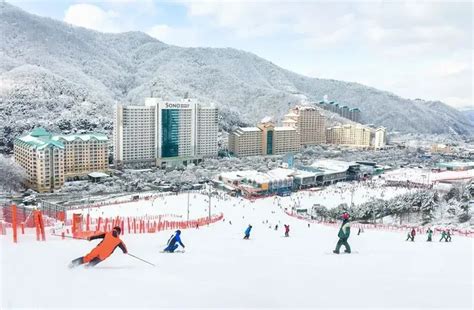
68 78
469 114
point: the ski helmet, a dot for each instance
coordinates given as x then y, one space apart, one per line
345 216
118 229
178 232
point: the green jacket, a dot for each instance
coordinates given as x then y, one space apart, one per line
345 230
430 232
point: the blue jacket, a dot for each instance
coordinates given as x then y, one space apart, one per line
247 231
175 239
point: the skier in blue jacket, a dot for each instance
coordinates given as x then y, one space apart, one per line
247 232
173 242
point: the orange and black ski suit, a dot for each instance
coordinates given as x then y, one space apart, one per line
105 248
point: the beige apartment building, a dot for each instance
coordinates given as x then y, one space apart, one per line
350 135
287 140
309 123
49 160
246 141
265 139
84 153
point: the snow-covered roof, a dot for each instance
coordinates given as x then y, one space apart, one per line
237 175
259 178
291 114
304 174
284 128
331 165
83 137
98 175
40 138
273 175
457 164
250 129
289 121
266 119
280 173
40 142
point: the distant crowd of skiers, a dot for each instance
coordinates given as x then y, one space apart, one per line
445 235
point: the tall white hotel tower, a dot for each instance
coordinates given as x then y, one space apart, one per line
164 133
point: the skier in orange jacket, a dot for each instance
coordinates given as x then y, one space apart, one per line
103 250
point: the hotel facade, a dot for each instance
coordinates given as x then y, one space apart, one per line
309 123
380 138
265 139
303 125
163 133
49 160
349 135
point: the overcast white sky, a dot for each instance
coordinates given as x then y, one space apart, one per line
415 49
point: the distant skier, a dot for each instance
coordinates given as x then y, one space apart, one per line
287 230
448 236
360 230
443 236
276 227
430 234
411 235
343 234
103 250
247 232
173 242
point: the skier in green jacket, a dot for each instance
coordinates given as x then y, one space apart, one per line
443 236
344 233
430 234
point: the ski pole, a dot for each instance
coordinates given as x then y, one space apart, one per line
141 259
71 237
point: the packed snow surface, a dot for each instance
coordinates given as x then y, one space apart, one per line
219 269
330 197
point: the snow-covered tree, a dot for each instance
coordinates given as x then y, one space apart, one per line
12 176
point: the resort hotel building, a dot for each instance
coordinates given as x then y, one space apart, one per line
49 159
164 133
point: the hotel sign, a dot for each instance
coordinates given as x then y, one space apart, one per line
175 105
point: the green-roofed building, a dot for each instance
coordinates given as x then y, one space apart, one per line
456 166
50 159
354 115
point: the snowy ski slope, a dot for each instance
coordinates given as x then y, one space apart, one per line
219 269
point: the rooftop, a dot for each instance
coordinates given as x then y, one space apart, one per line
40 138
98 175
83 137
457 164
250 129
331 165
284 128
291 114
